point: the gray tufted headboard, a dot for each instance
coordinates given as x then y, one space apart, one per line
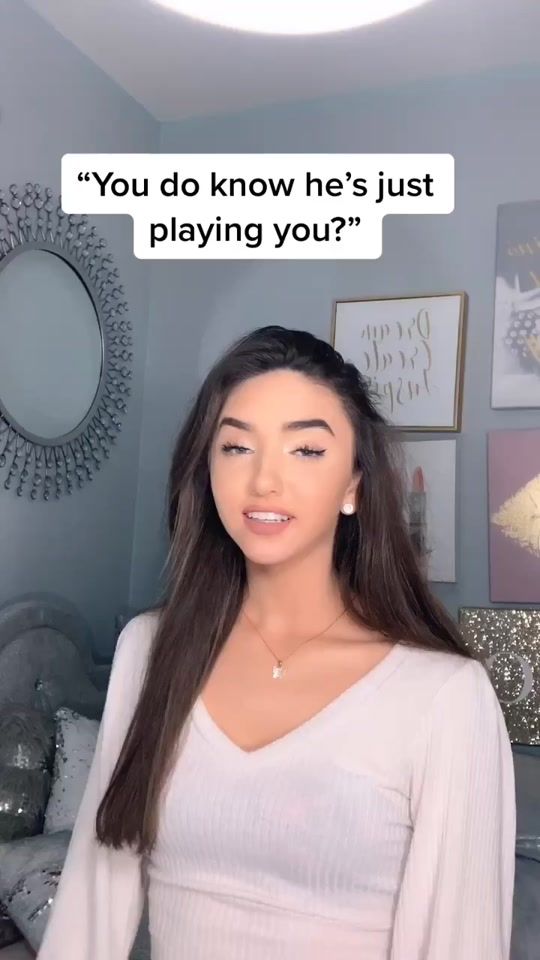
46 657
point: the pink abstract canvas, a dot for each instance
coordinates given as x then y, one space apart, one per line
514 515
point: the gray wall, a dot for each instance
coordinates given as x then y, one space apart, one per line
55 101
492 126
106 545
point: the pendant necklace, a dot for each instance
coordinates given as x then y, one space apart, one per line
278 668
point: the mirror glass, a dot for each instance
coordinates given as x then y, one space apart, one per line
50 345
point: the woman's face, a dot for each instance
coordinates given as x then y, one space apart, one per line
281 465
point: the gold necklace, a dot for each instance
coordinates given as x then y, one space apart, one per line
278 668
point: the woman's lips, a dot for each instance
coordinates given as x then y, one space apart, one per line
267 528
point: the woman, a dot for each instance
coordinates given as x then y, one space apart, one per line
298 758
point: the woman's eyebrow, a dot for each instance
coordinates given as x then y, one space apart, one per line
292 425
307 424
233 422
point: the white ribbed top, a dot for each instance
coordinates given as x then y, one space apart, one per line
381 829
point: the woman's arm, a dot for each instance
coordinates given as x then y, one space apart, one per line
99 901
455 901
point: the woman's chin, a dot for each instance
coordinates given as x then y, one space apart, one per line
266 551
266 555
269 551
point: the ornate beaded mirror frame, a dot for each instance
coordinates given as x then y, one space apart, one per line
45 467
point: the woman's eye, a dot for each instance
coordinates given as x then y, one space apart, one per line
233 448
305 451
309 451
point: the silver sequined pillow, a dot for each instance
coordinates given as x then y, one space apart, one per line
76 739
29 873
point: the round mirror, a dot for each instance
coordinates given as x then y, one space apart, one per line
65 346
51 358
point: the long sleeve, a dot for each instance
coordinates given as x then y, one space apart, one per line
100 897
455 899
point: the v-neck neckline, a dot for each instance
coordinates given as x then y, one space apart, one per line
217 737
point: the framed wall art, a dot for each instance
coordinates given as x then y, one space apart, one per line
508 643
516 329
431 504
514 515
411 350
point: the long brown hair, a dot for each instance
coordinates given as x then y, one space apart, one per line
375 564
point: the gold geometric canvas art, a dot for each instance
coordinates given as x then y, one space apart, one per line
514 516
508 643
519 517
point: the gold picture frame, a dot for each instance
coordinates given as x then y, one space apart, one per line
425 399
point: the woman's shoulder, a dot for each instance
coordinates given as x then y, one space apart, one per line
441 666
447 683
143 624
424 696
135 640
128 668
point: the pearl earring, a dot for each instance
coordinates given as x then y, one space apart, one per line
348 508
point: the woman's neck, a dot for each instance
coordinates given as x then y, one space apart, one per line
293 598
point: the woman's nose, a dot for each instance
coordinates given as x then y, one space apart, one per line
265 476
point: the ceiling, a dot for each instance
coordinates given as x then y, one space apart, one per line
179 68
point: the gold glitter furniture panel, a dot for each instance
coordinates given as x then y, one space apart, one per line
508 641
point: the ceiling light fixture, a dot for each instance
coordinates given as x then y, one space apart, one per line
291 16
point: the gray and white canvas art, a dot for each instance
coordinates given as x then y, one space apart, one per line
516 329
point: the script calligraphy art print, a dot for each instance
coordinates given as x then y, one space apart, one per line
411 351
